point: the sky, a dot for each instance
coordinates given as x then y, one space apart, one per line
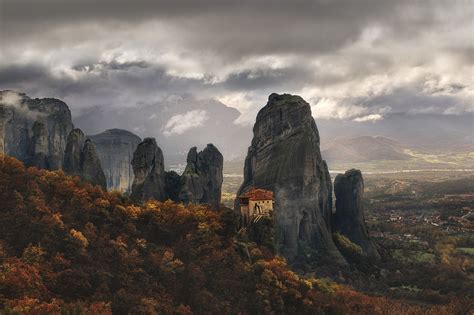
357 61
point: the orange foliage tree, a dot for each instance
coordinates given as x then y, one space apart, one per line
66 246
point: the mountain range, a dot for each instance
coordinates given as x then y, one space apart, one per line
181 122
177 123
364 148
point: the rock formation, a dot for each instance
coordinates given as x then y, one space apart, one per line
115 148
349 217
325 203
91 167
202 178
201 181
34 130
73 154
149 170
81 159
285 158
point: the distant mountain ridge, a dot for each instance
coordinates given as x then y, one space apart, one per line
364 149
177 124
435 133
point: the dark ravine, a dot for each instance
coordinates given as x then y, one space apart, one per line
115 148
349 218
34 130
285 157
81 159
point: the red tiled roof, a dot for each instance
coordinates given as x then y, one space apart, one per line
257 194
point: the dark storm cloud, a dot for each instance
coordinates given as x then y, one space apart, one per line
350 59
98 84
236 28
255 79
17 74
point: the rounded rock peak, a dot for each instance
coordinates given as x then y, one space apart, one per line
77 131
352 175
284 103
211 147
149 141
353 172
192 155
75 135
284 98
118 132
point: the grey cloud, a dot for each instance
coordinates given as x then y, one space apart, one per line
256 79
113 65
105 83
234 28
16 74
411 101
358 54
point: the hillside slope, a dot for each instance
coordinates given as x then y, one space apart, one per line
71 247
365 148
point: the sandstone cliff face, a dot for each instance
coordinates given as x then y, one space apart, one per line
349 217
285 158
202 179
81 159
149 170
34 130
115 148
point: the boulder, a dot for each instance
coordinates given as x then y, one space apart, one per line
349 217
285 158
